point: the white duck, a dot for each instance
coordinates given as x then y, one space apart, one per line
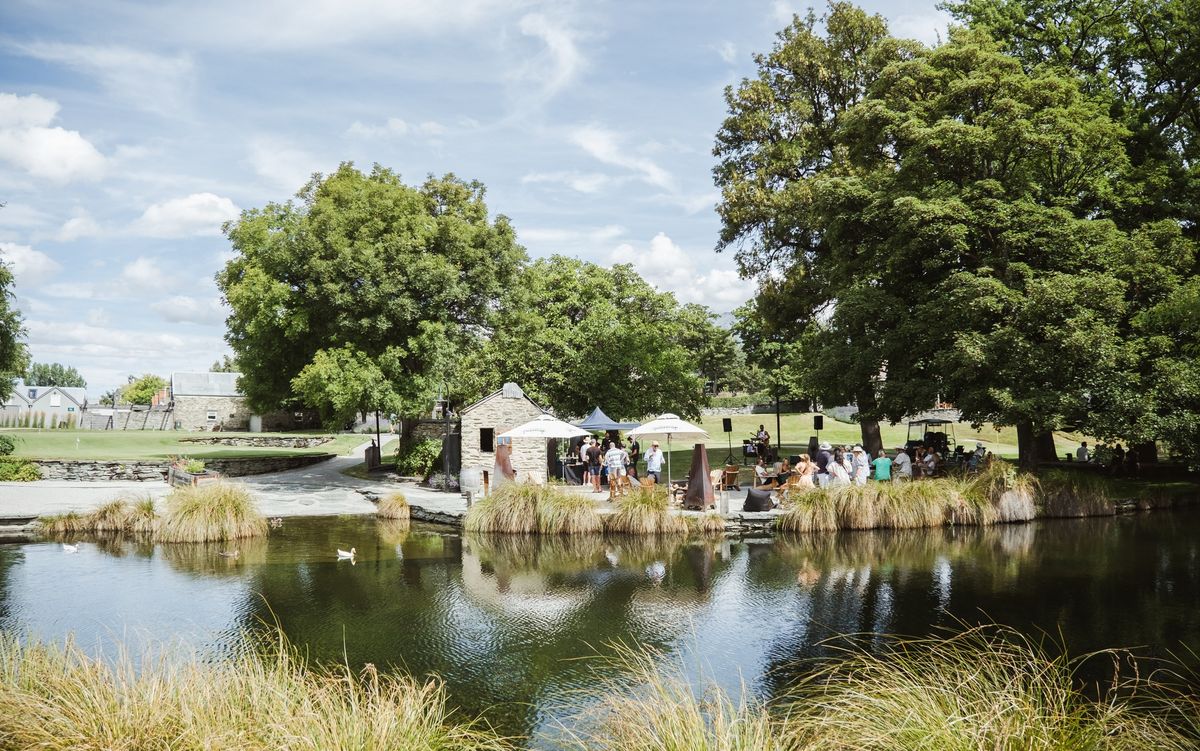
344 554
70 548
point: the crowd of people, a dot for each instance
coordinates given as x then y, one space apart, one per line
613 460
844 465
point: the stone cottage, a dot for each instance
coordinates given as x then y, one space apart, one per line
494 414
209 401
60 405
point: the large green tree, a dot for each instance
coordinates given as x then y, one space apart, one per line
575 335
13 354
141 389
54 374
342 383
405 277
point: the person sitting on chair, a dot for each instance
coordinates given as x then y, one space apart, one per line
761 478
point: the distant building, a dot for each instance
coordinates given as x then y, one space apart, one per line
494 414
61 405
209 401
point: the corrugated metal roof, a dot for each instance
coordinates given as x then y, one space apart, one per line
205 384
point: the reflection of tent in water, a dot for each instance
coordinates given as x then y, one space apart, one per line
600 421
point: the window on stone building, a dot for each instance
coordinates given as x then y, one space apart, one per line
487 437
212 415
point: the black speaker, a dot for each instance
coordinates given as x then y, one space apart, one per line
727 424
818 422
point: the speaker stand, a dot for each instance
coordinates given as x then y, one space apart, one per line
729 459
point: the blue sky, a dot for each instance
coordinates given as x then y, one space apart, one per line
129 131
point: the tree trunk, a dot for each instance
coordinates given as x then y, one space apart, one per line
1147 452
872 441
1026 446
1046 450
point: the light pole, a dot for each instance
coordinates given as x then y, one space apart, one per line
444 403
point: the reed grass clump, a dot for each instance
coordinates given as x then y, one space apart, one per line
561 512
393 506
645 511
986 688
143 515
708 523
59 525
57 697
526 508
814 511
1075 494
114 516
209 513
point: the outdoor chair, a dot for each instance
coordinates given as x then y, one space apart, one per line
730 480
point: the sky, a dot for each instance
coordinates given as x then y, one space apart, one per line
131 130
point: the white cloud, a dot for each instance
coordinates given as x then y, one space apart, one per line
566 240
81 224
29 266
605 146
98 317
150 82
690 203
184 309
582 182
783 11
143 272
200 214
558 64
669 268
728 51
924 27
395 127
22 215
283 165
29 143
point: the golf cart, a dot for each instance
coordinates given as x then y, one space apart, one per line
935 432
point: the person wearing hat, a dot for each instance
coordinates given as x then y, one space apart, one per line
824 457
862 465
902 465
654 461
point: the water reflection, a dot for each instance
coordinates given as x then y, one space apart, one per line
504 619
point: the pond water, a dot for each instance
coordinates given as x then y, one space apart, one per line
503 620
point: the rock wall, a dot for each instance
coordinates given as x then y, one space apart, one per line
299 442
232 412
501 413
157 471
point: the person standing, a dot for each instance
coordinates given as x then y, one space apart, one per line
583 459
654 461
614 459
635 453
838 474
594 455
824 459
902 465
1081 453
861 464
883 467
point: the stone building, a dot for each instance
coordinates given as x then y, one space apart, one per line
209 401
493 415
52 406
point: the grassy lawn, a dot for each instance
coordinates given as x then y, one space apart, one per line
103 445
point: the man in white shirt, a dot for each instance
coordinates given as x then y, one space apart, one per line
901 465
614 459
1081 453
654 461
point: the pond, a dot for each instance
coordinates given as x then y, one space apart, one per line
503 620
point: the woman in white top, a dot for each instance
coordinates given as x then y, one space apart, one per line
838 474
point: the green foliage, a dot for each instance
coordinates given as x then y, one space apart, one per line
193 466
416 458
402 277
741 400
574 335
7 445
19 470
226 364
141 389
54 374
342 383
13 354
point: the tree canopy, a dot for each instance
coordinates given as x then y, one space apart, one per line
403 277
54 374
142 389
576 335
342 383
13 354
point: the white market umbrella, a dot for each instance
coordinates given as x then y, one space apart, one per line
545 427
669 425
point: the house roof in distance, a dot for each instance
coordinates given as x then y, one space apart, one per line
22 389
205 384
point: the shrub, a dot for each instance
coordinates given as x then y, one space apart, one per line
645 511
394 506
57 698
193 467
19 470
7 445
416 458
211 512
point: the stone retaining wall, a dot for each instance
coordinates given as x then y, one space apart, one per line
157 471
304 442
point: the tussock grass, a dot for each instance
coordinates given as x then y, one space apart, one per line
57 697
986 688
1074 494
525 508
645 511
60 525
814 511
708 523
128 514
143 515
114 516
393 506
209 513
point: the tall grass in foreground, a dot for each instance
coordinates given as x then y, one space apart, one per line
525 508
55 698
645 511
136 514
985 689
393 506
1074 494
208 513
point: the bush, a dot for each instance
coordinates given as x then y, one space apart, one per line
7 445
19 470
416 458
739 402
193 467
211 512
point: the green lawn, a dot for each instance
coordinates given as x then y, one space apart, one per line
131 445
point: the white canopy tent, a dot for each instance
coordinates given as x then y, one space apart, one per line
669 425
545 427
